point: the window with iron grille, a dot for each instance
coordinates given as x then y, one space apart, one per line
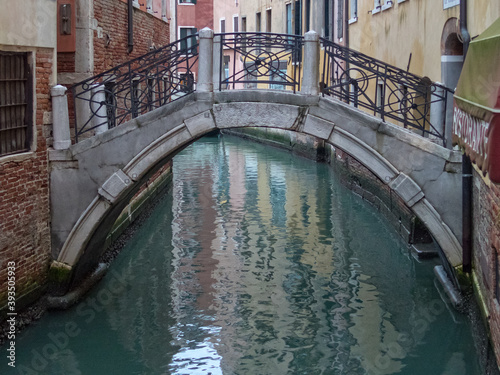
16 103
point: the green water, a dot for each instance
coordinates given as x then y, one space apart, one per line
256 262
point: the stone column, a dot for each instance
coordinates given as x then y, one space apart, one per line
205 61
60 118
217 66
98 107
310 78
437 113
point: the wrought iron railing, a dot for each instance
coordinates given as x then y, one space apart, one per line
391 93
260 60
135 87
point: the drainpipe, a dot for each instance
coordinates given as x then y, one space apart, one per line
346 22
346 36
466 168
130 26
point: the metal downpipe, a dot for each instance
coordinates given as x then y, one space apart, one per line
130 26
466 167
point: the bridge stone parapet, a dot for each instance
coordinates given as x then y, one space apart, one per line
92 180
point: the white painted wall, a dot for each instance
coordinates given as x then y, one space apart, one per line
28 23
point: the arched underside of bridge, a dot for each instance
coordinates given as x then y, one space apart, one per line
94 180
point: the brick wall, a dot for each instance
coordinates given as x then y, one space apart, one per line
65 62
24 198
111 46
486 247
111 36
365 183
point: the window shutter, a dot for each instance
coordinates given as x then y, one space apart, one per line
16 103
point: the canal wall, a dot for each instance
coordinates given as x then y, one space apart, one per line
354 176
142 199
486 256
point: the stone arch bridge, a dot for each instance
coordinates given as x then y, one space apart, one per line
93 180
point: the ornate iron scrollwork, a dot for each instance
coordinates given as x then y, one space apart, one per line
136 87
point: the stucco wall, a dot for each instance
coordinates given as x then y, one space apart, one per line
29 23
410 27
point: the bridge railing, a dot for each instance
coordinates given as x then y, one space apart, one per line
135 87
393 94
259 60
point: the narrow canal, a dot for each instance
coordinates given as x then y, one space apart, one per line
256 262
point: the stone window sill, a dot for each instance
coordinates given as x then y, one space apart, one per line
353 20
387 5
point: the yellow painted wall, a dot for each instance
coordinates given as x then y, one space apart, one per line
414 27
410 27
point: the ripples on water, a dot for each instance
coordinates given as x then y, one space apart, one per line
258 263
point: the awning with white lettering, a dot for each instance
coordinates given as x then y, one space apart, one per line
476 123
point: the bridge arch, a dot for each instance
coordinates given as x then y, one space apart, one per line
106 170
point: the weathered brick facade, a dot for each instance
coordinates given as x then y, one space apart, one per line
24 197
66 62
111 46
486 247
110 42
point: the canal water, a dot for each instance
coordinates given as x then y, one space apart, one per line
256 262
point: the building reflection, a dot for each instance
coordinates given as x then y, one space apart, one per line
262 264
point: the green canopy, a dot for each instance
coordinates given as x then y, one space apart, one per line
478 89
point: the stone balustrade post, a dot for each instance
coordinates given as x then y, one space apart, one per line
60 118
217 68
98 106
205 61
310 78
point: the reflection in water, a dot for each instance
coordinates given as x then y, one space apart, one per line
260 263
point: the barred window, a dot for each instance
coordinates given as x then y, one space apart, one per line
16 103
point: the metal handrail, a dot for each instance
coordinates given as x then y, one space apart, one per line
261 60
386 91
135 87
